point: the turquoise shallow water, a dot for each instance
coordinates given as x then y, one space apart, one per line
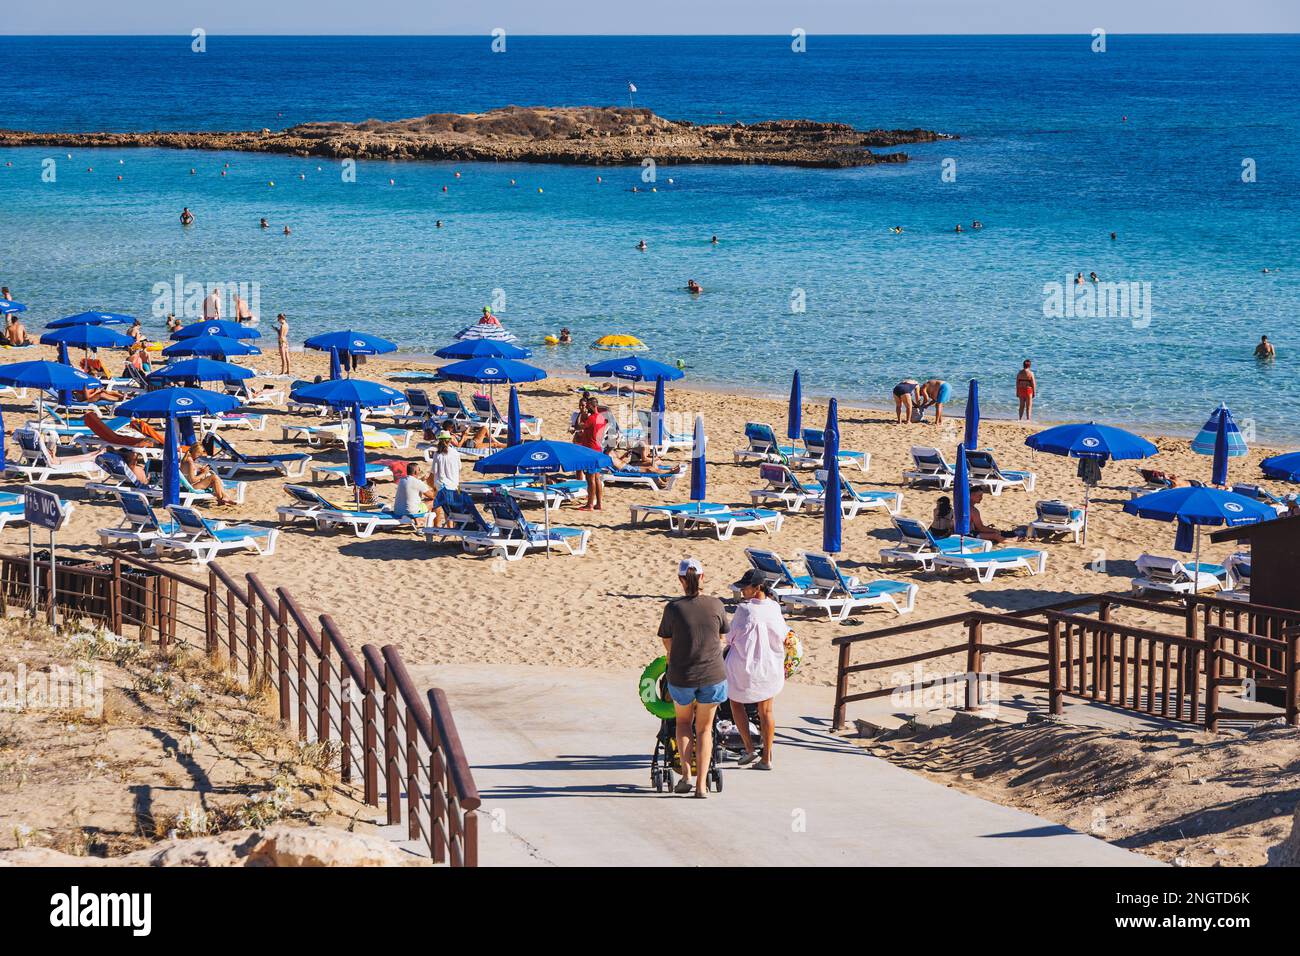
1046 162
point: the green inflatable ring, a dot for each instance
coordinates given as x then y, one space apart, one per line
649 687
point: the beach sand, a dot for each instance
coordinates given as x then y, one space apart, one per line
602 610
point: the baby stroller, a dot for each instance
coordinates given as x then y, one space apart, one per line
665 762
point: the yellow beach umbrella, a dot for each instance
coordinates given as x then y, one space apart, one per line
619 343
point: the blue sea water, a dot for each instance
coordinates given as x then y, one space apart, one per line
1046 160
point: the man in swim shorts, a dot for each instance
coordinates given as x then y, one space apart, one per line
1265 348
903 396
934 392
1026 388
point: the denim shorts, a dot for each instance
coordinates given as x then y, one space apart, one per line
708 694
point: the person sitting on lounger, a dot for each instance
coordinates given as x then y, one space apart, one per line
942 522
16 334
414 496
91 365
201 477
633 460
135 465
99 395
980 529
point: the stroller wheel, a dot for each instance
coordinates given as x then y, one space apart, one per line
657 780
715 779
668 779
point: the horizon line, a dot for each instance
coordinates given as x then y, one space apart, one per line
620 36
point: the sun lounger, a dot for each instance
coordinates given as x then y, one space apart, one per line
985 473
1263 495
1056 517
728 522
231 462
1238 568
463 520
140 525
929 467
814 453
455 409
513 536
854 499
305 503
253 421
317 436
671 513
988 563
419 408
205 539
785 488
645 432
763 445
261 396
321 473
312 505
1157 481
643 477
118 478
1172 576
840 595
777 573
486 409
41 460
916 543
295 407
552 494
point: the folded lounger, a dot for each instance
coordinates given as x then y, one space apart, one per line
987 563
763 445
1056 517
985 473
929 467
840 595
1172 576
205 539
916 543
513 535
728 522
814 453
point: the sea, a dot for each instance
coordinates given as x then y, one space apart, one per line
1186 148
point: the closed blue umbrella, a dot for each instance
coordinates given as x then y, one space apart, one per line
482 348
200 370
219 346
658 409
832 511
87 337
336 367
1088 440
90 318
351 342
171 474
699 468
973 415
961 494
794 420
513 430
65 395
1204 442
224 327
1194 507
1219 469
357 452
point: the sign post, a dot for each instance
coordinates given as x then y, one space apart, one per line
42 509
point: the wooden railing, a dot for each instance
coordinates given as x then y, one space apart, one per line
364 713
1098 659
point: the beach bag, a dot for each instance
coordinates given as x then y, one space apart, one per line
793 654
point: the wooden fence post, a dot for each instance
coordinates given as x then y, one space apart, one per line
841 688
211 638
282 664
1055 704
369 731
1212 666
392 774
974 660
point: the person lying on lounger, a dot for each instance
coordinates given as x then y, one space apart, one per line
464 435
135 465
625 461
201 477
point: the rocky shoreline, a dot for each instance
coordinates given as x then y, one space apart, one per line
598 136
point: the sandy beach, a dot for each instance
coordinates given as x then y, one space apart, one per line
602 610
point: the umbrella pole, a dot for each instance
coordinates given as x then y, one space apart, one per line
1196 569
1087 493
546 510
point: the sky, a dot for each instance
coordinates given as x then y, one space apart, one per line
610 17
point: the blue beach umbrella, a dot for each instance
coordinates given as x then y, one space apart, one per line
91 318
200 370
699 467
1203 443
87 337
346 392
658 409
794 420
219 346
9 307
1194 507
46 376
543 458
513 436
961 495
1282 467
1088 440
178 401
832 511
231 330
491 371
351 342
482 348
973 415
634 368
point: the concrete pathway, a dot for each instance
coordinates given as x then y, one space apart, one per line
562 756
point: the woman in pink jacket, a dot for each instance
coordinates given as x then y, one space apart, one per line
755 663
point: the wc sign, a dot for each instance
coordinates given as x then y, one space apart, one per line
42 509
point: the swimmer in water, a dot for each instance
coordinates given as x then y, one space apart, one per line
264 224
187 217
174 324
693 287
1092 277
958 229
714 240
1264 349
896 230
641 245
288 231
438 224
1113 236
977 224
566 337
1078 278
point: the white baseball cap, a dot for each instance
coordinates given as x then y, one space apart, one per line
689 564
